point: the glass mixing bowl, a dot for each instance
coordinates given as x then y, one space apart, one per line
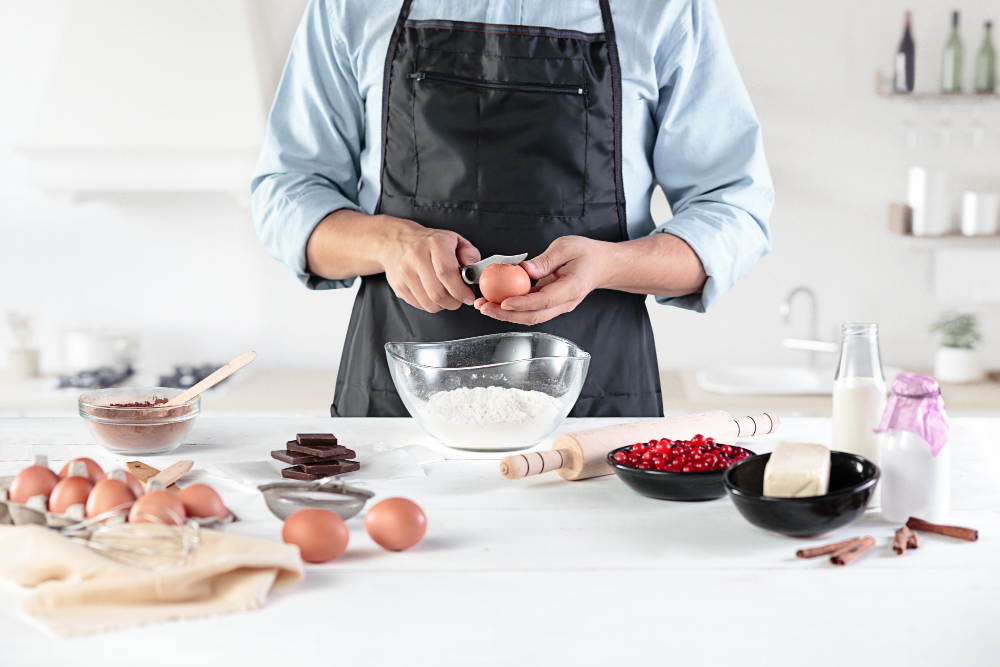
152 430
489 393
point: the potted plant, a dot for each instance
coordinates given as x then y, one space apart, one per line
956 360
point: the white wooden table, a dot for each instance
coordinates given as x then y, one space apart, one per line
543 571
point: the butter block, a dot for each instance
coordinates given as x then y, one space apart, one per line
797 470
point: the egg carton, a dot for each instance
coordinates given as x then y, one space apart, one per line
35 511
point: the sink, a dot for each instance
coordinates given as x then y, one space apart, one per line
749 380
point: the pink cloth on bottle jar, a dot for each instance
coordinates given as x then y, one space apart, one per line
916 405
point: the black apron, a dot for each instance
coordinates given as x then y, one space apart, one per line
510 136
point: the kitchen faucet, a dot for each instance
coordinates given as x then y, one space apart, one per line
811 344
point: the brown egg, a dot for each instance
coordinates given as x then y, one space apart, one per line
108 495
94 471
131 481
158 507
396 523
500 281
201 500
32 481
320 535
70 491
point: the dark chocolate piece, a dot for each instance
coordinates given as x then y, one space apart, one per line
330 468
295 472
328 439
322 451
297 458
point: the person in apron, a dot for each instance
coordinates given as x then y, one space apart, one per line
508 138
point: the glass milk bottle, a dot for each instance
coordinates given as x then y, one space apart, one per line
859 395
916 456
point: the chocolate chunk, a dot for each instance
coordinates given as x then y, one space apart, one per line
330 468
328 439
322 451
314 472
297 458
295 472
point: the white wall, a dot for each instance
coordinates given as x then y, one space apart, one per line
186 272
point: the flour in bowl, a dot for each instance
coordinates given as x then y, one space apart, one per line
491 405
490 418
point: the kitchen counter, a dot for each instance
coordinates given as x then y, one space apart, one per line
681 393
548 572
309 392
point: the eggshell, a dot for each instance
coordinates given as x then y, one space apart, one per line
133 483
158 507
201 500
94 471
69 491
32 481
396 523
500 281
319 534
108 494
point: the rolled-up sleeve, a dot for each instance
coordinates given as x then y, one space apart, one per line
708 155
309 165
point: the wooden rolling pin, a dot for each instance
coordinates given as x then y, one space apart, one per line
582 455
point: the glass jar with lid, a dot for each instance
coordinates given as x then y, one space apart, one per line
916 456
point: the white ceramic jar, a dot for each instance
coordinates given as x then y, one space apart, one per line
915 482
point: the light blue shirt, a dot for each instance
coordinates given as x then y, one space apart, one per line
687 124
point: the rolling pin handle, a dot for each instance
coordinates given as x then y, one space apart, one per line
532 463
762 424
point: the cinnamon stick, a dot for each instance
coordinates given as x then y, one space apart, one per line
826 548
911 542
901 540
847 556
969 534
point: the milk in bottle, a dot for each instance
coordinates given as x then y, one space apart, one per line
859 396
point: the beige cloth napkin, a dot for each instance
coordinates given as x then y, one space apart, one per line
79 590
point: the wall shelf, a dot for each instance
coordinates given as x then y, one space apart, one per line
883 88
951 241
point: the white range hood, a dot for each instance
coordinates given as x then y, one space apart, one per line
159 96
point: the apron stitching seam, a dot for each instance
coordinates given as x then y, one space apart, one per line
416 148
616 109
586 149
496 210
404 11
498 56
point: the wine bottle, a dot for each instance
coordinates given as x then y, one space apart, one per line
951 66
903 81
986 70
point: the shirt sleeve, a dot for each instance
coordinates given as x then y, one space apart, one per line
309 165
708 156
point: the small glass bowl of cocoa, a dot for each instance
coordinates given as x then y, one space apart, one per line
131 420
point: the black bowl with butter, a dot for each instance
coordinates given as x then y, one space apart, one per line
670 485
852 482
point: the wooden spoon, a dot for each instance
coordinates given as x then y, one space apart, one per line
145 472
212 380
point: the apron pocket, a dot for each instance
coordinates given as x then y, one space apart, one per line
517 148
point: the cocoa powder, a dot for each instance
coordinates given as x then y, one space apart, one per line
137 404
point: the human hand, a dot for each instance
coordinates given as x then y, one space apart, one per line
569 269
423 265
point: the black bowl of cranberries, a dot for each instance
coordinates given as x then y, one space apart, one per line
676 469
